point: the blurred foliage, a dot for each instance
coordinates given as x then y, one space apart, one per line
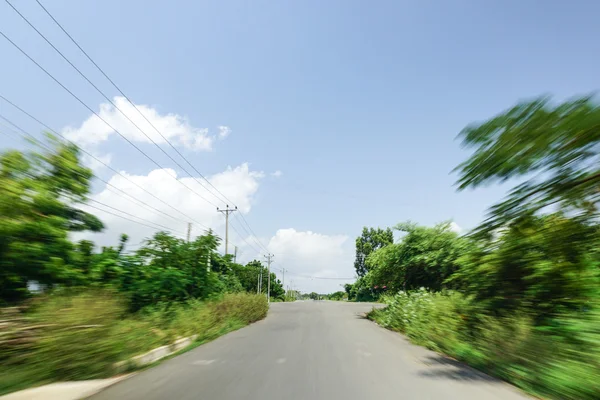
337 296
555 147
81 334
38 197
559 359
99 306
518 297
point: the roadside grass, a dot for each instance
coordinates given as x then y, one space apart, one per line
559 360
82 336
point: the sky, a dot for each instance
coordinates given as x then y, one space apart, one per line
314 118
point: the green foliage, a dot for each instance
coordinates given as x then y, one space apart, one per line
82 334
548 264
38 195
554 146
425 257
337 296
528 309
560 360
370 240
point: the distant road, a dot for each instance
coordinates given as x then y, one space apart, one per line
312 350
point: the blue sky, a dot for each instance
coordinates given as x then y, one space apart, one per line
357 103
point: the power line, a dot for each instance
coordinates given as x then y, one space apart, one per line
128 219
103 204
27 135
245 241
131 215
133 104
223 197
113 104
95 113
252 236
105 165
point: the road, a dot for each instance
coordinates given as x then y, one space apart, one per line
311 350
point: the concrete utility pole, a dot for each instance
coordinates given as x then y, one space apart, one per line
283 277
189 231
226 211
269 258
258 283
235 254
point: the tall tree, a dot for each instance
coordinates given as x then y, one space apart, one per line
424 257
370 240
555 147
39 194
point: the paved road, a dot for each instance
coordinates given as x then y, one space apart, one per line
310 350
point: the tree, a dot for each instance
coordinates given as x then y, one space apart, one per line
424 257
313 296
553 146
370 240
547 264
39 194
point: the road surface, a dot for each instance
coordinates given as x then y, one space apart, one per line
311 350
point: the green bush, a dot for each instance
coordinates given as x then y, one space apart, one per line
82 335
560 360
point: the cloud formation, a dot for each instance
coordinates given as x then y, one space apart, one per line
239 184
315 261
173 127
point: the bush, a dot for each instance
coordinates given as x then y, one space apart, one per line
82 335
560 360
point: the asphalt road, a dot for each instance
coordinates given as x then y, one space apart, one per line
311 350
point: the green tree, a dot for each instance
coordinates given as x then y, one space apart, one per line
39 194
554 147
545 264
370 240
424 257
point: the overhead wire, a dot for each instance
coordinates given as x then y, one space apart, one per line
29 136
93 112
252 234
106 166
113 104
126 218
222 198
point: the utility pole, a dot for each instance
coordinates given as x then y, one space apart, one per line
235 254
189 231
269 258
283 277
227 211
258 283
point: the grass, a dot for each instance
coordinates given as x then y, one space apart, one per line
559 360
83 335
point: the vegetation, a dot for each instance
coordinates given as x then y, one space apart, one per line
99 307
519 297
72 336
370 240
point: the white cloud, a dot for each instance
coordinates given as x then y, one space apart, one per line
309 256
276 174
224 131
454 227
239 184
173 127
98 163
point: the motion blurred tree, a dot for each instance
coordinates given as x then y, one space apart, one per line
370 240
424 257
555 147
39 192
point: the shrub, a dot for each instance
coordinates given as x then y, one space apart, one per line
560 360
82 335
